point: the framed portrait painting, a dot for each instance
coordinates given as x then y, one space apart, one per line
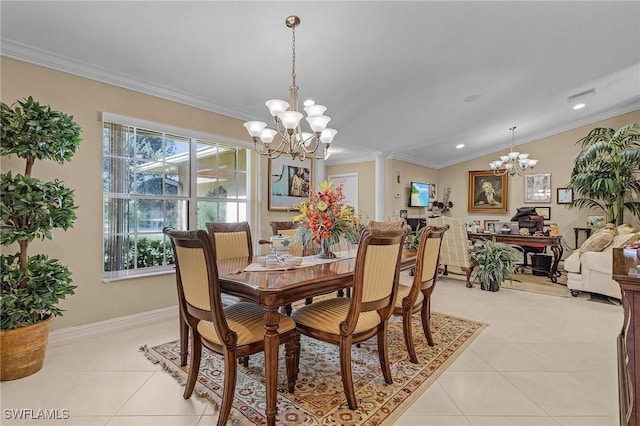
537 188
487 193
289 182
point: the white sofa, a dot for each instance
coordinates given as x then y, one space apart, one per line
590 267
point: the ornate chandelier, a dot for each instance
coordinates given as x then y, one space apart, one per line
514 162
291 139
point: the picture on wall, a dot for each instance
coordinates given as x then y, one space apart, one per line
289 182
564 196
545 212
595 220
487 192
537 188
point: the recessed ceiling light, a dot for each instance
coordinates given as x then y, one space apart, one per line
578 100
459 146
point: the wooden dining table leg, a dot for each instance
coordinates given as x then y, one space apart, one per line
271 346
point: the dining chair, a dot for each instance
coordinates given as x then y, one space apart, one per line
344 321
417 296
290 229
231 239
235 331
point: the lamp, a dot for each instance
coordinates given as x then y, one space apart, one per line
514 162
291 139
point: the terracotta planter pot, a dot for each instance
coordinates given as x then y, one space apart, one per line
22 350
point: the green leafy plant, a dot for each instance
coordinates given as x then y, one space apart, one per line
412 240
495 263
30 208
606 173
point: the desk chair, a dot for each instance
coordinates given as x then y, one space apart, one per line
343 321
234 331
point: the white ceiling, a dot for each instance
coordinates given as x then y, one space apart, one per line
394 75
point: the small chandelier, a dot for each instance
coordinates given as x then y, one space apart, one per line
291 139
513 163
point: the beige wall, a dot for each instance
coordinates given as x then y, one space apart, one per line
366 182
556 155
80 248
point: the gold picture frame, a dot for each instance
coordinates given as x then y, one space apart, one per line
289 182
487 193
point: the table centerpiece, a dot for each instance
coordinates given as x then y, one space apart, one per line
324 218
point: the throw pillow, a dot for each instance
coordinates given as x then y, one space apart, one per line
625 228
600 240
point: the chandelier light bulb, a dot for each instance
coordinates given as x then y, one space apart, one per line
255 128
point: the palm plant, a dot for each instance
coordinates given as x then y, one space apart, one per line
606 173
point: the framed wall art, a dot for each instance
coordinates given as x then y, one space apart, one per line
289 182
564 196
487 193
545 212
537 188
490 225
595 220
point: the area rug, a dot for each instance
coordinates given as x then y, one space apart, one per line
319 397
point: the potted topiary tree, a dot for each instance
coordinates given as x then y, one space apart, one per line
32 286
606 173
495 262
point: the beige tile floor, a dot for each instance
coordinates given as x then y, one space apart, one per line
543 360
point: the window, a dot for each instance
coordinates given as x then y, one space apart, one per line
154 179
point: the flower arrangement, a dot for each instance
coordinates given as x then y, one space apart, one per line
324 218
443 207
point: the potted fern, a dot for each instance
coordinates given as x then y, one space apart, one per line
495 262
32 286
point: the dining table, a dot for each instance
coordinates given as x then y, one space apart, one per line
273 289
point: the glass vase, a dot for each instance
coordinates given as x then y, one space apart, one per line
325 250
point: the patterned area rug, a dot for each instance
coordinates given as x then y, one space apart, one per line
319 398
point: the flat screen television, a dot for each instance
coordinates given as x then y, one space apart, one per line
419 195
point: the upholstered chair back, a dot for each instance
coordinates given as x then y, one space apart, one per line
297 248
455 245
231 239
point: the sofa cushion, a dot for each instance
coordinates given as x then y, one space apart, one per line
600 240
625 228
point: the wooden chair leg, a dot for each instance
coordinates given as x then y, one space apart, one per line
408 336
244 361
345 371
194 366
229 389
468 271
292 357
425 315
383 353
184 341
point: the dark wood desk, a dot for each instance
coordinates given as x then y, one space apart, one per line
628 339
553 242
274 289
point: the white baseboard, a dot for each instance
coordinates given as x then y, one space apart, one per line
69 335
